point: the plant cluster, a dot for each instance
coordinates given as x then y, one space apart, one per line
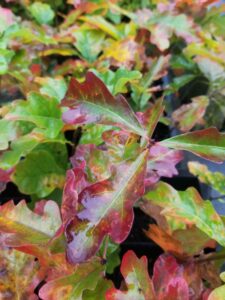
83 155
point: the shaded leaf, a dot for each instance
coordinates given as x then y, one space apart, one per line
135 274
89 42
42 12
218 293
161 163
208 143
94 103
181 243
150 117
8 132
39 173
188 115
39 110
19 275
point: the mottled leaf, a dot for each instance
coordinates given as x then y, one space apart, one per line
188 115
181 243
215 179
135 274
39 110
106 208
92 102
168 279
19 275
208 143
19 226
188 207
85 277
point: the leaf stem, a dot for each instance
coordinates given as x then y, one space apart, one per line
209 257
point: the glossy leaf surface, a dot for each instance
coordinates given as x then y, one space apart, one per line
92 102
207 143
106 208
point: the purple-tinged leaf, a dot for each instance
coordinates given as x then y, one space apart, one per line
106 208
91 102
161 163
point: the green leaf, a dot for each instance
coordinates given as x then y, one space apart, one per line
39 173
99 292
116 81
52 87
39 110
20 147
71 287
92 133
42 12
188 207
5 58
89 42
19 226
219 292
215 179
102 24
8 132
208 143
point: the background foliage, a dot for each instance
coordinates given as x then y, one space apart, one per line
87 90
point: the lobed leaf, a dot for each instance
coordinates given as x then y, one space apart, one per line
135 274
215 179
39 173
19 275
188 207
39 110
106 208
19 226
85 277
188 115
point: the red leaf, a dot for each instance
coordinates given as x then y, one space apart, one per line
106 208
150 117
168 279
135 273
91 102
